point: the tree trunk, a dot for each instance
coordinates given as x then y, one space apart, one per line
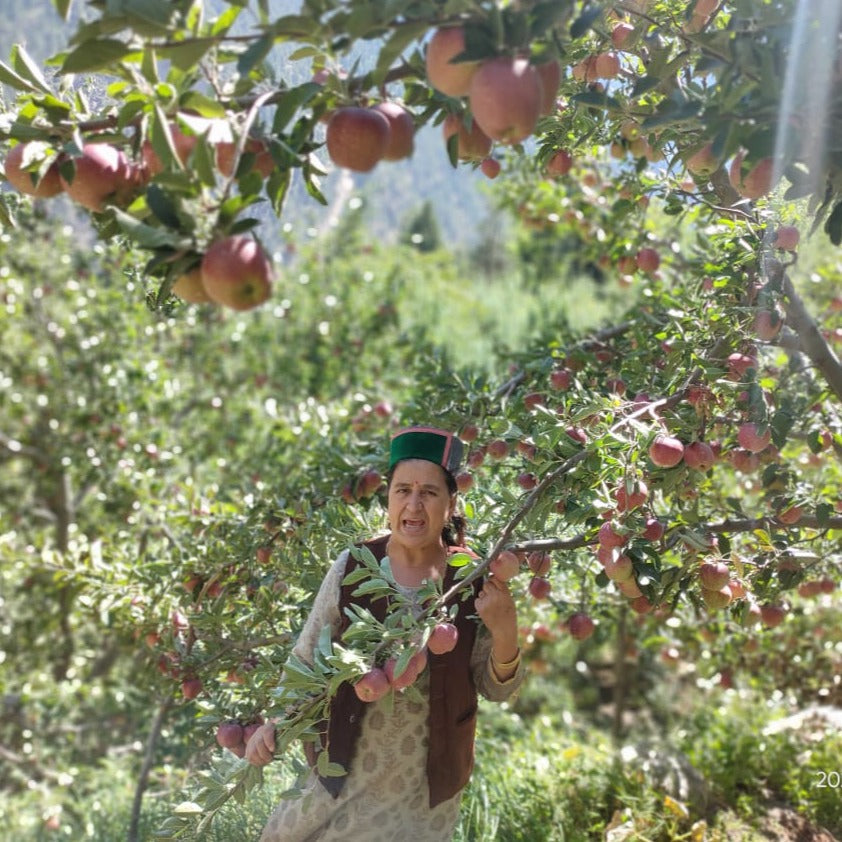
146 767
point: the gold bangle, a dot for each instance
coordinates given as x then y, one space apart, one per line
503 666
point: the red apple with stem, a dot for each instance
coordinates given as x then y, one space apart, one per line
357 138
666 451
505 97
401 131
450 77
443 638
373 685
31 181
236 273
580 626
472 143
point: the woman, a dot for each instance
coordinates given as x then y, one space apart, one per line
407 760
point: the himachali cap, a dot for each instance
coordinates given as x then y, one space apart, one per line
428 443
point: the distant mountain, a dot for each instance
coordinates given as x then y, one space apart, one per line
392 191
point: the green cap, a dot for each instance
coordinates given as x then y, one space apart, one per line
428 443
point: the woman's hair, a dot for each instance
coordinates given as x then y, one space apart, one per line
453 533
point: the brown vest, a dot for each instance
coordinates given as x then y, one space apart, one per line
453 698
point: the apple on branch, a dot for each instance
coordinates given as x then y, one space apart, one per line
236 273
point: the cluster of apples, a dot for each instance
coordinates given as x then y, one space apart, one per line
359 137
506 94
233 272
234 736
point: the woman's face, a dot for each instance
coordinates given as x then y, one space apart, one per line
419 503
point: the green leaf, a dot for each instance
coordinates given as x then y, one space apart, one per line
256 52
95 55
187 808
14 80
203 105
147 236
186 55
290 101
401 38
162 206
28 69
459 560
584 22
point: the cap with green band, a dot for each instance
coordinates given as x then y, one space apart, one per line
427 443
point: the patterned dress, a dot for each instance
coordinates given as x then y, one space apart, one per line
385 797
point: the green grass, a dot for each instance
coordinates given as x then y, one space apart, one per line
534 780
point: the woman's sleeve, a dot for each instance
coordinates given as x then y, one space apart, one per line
325 611
487 683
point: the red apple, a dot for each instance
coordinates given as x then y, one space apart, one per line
714 574
703 162
368 483
445 75
505 566
464 481
498 449
577 434
654 530
791 515
184 145
189 287
527 480
648 260
786 238
607 66
560 379
620 569
102 172
236 273
622 34
539 588
560 163
490 167
636 496
26 180
767 324
401 131
539 562
580 626
262 159
357 138
229 734
772 614
472 143
699 456
753 438
641 605
443 638
263 555
757 182
608 537
469 433
666 451
373 685
739 364
505 97
191 687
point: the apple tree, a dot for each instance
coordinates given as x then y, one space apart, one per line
673 474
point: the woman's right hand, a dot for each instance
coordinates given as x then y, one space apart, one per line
260 749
